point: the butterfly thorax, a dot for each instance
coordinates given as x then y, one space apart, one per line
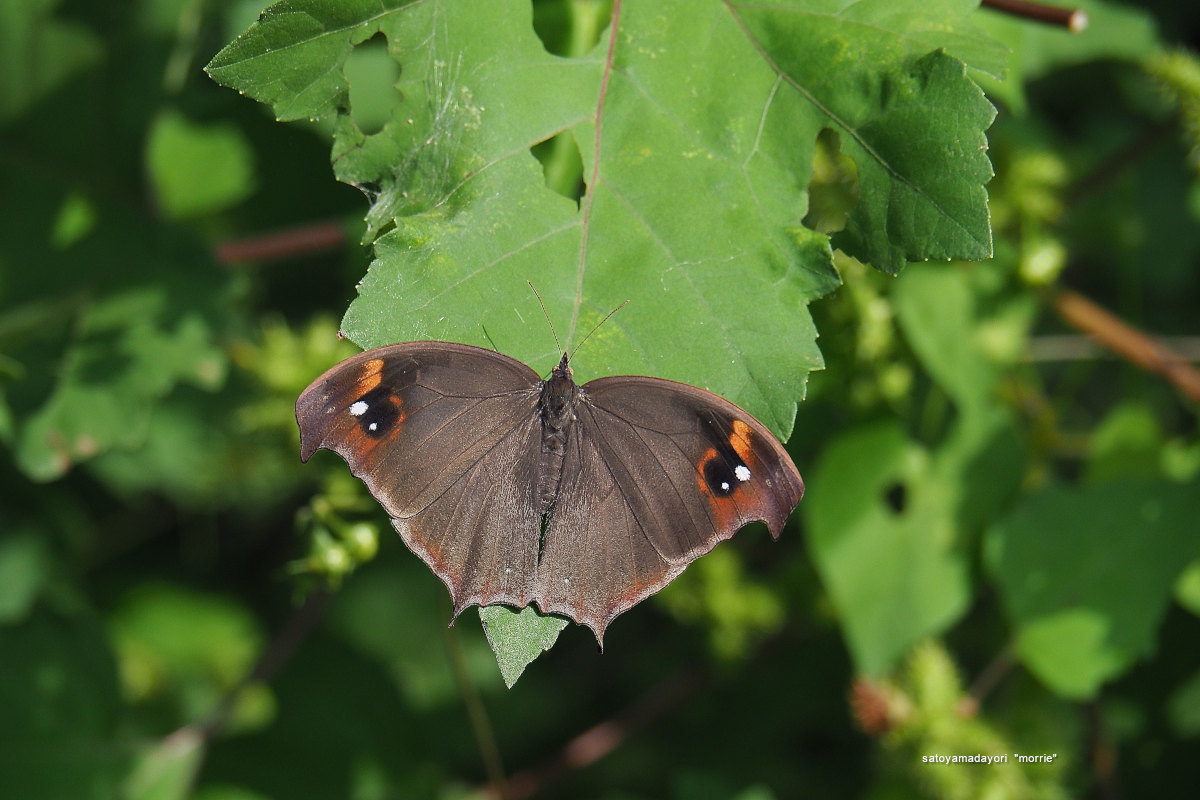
557 408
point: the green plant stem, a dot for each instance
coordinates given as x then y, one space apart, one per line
485 738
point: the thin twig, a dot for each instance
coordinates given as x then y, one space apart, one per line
1128 342
598 741
1073 19
302 240
299 625
1102 753
1080 347
991 675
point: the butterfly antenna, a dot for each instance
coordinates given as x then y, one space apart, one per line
488 336
546 314
598 324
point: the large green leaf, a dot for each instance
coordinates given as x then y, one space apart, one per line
910 119
519 638
707 117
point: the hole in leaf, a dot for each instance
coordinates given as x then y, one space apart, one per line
372 74
896 496
570 29
833 190
562 165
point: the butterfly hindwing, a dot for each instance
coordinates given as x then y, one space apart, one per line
480 534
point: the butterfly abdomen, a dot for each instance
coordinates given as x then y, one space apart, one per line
557 408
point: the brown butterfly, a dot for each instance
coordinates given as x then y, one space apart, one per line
584 500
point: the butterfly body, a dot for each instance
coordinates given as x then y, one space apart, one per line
556 405
583 500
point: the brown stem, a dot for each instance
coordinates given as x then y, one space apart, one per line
1073 19
283 244
1080 347
1103 754
991 675
1128 342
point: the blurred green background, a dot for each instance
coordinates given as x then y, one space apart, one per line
999 551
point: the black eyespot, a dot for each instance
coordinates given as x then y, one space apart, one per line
719 477
380 414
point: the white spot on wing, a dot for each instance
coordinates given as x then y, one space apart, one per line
358 408
742 472
724 486
373 426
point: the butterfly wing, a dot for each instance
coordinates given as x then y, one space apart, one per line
447 438
656 473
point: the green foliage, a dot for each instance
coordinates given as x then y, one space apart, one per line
41 52
179 155
717 593
1084 613
62 709
998 544
192 666
934 720
1179 76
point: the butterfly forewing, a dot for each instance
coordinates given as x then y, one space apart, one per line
411 419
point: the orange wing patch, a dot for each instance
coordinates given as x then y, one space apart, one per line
723 473
740 440
375 415
369 377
